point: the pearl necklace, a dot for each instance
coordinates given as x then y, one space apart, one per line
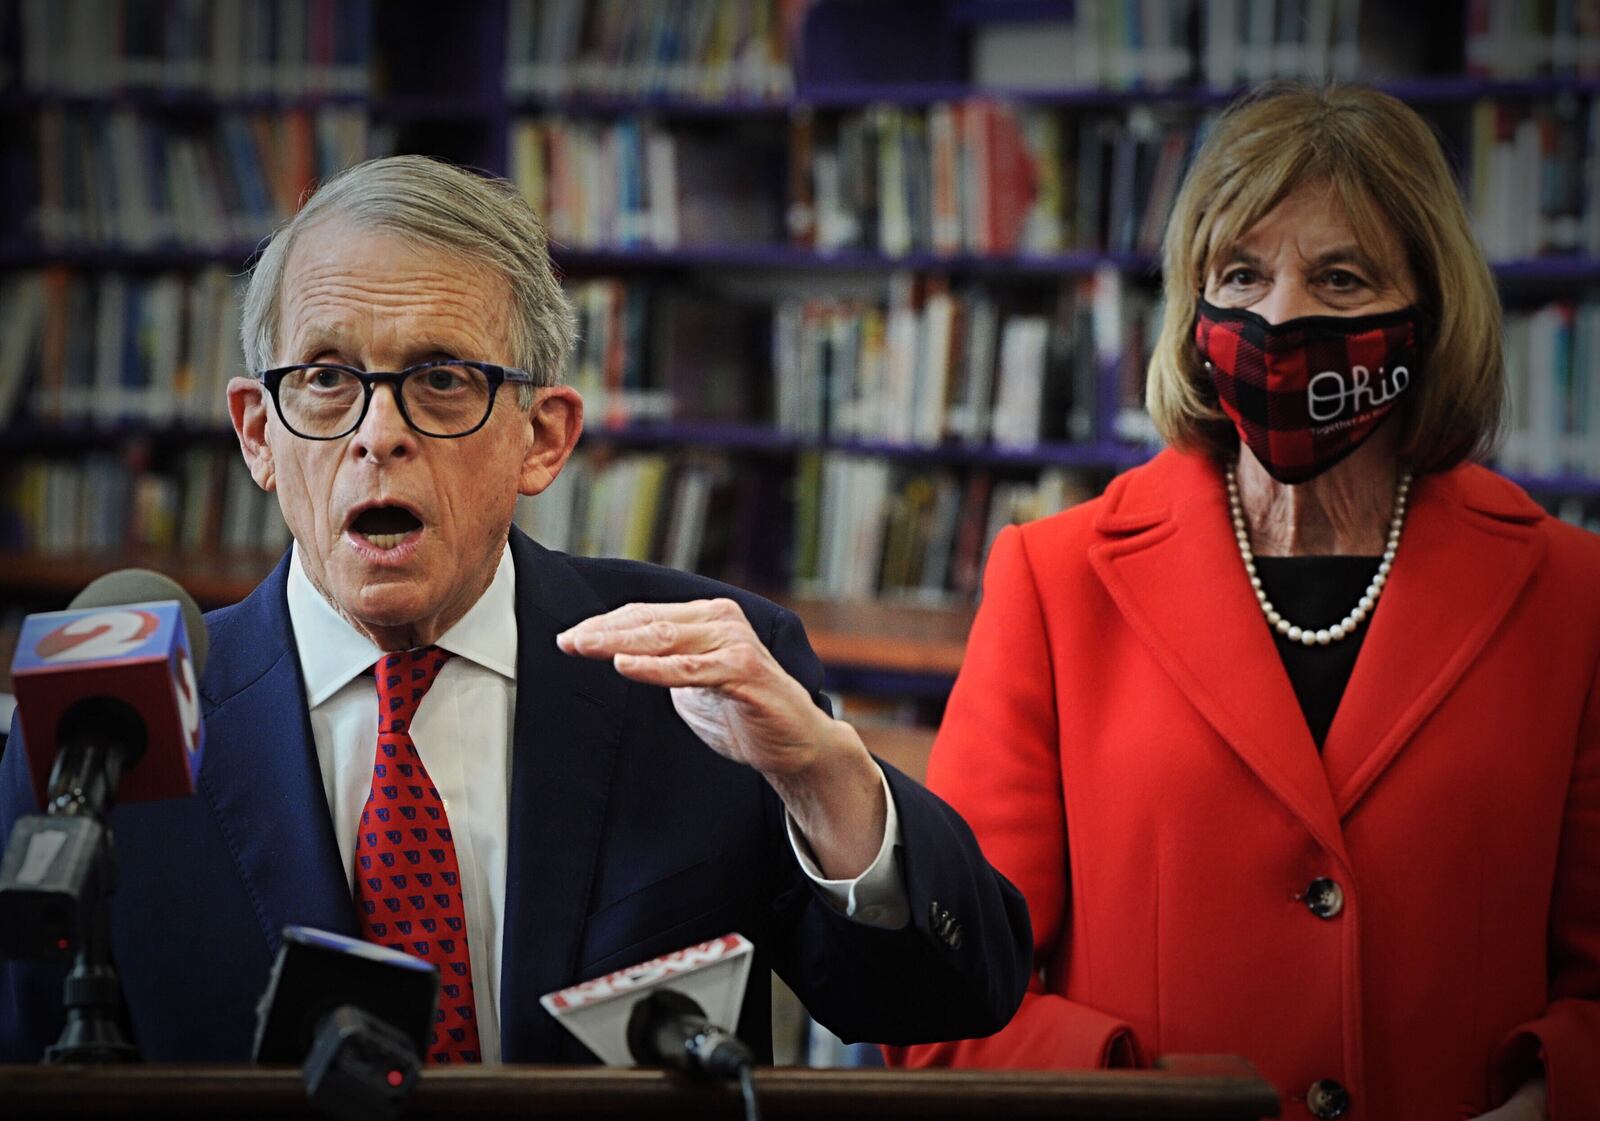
1369 599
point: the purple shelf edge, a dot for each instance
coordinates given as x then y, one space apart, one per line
778 256
187 101
664 104
1419 89
969 14
823 95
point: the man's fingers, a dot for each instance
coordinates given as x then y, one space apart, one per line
705 671
658 628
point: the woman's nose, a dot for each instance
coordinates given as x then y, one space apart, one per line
1288 299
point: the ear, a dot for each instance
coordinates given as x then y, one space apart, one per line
248 408
556 421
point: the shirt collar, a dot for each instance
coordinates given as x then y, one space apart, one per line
333 653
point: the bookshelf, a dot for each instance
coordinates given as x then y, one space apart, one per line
775 85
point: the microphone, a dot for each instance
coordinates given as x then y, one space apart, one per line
108 698
355 1015
667 1028
107 692
654 1012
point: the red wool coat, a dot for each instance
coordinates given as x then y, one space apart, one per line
1127 746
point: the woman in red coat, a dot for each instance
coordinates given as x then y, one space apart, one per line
1292 737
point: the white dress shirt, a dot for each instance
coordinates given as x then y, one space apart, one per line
473 702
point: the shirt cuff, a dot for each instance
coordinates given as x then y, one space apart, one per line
877 897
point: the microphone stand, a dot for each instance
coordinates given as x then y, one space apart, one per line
59 871
86 776
91 995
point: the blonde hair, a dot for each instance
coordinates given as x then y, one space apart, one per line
485 221
1386 167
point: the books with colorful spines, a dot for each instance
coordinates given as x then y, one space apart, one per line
944 162
1007 180
905 533
938 549
898 416
693 484
939 338
972 396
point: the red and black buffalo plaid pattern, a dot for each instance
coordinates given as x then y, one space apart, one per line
408 885
1307 392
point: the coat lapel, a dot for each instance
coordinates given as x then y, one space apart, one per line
567 725
1469 545
1169 561
260 771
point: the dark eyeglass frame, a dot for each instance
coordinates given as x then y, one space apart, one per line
370 380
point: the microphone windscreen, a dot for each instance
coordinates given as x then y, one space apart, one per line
141 585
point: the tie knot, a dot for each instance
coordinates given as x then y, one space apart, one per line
403 680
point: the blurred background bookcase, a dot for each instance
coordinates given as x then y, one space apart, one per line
860 281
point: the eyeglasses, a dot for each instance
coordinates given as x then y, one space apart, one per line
444 399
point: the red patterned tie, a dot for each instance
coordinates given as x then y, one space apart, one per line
408 887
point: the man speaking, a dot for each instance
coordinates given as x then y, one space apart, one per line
529 769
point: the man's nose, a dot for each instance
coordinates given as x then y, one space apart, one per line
384 433
1290 298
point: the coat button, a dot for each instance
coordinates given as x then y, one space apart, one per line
1327 1099
1324 898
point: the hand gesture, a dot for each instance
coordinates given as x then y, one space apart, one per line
725 683
734 695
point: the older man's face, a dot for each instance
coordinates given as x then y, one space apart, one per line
400 531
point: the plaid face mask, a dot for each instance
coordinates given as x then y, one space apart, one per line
1307 392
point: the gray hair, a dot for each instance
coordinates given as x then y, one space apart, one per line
438 205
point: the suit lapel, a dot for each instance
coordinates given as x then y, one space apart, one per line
1467 549
567 724
1168 558
260 772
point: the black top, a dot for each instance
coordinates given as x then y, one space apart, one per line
1319 592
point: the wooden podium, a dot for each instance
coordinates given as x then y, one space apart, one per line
1216 1089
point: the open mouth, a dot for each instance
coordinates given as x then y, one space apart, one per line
384 527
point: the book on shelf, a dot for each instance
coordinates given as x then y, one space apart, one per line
631 183
132 181
707 50
987 178
222 48
873 529
972 365
108 502
693 511
610 364
112 348
1166 44
1552 353
1533 180
1513 39
1143 44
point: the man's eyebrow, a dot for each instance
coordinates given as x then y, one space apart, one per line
429 351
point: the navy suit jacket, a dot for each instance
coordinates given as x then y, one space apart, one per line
629 838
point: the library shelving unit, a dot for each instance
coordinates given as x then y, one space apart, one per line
459 81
